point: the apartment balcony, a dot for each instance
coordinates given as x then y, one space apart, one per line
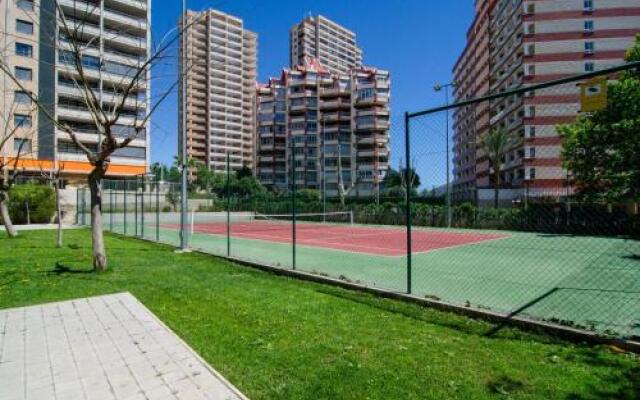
134 5
334 104
87 136
373 139
378 99
79 8
125 21
132 42
304 93
370 126
75 92
333 91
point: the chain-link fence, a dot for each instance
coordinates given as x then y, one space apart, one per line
489 204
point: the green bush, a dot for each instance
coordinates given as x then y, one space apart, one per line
40 199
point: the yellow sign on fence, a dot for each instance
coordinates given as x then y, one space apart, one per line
593 94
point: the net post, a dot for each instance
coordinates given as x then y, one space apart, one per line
157 211
228 192
407 149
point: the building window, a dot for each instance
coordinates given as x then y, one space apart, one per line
532 173
24 50
22 146
22 97
588 26
532 152
25 5
23 74
588 5
589 47
589 67
24 27
22 120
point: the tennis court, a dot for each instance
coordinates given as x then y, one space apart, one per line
368 240
584 281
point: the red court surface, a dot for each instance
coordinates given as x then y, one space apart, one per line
380 241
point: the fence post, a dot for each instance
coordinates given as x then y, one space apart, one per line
135 209
228 192
124 206
84 207
77 206
407 150
144 190
157 211
293 206
111 209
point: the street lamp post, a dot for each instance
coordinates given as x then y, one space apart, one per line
438 88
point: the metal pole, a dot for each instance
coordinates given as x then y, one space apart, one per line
293 207
157 211
446 94
111 209
228 192
124 206
135 208
144 189
183 83
407 150
324 172
78 206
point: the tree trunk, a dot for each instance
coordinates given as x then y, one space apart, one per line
4 212
97 236
59 214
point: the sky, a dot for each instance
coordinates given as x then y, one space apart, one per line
418 41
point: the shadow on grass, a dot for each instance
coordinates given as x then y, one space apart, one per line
622 386
62 269
459 323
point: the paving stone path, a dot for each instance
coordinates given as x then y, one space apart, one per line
107 347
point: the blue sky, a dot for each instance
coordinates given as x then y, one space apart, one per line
418 41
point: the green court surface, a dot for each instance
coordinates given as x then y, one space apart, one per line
587 282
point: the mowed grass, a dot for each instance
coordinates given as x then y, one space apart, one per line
279 338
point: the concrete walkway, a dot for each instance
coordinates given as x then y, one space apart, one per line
108 347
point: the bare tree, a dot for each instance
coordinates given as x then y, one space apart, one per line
71 45
54 177
12 131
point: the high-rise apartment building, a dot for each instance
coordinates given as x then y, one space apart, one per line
114 36
515 43
332 128
331 44
221 59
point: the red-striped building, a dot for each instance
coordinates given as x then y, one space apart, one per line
514 43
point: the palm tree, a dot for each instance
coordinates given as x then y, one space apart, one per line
496 143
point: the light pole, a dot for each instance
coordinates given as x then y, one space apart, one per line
438 88
183 156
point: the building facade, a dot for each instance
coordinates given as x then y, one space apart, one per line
331 44
114 36
332 128
221 60
516 43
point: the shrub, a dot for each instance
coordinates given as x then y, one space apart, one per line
40 200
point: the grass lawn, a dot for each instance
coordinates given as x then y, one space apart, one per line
279 338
